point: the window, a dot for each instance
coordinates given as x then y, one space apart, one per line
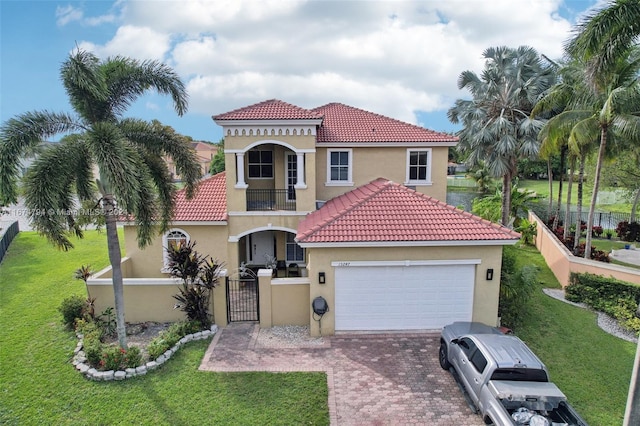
295 253
339 167
260 164
170 239
418 166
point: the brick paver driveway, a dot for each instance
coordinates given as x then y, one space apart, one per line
373 379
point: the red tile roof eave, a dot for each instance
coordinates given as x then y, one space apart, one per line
420 243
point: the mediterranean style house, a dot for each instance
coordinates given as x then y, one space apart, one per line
327 217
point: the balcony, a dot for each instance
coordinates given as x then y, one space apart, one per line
271 199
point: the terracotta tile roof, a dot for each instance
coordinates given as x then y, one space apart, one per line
272 109
209 203
384 211
343 123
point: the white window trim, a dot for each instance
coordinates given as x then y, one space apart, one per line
349 181
426 181
165 244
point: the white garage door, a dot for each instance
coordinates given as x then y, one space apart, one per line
403 297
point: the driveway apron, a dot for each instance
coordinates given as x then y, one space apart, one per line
373 379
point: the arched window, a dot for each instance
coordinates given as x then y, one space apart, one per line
170 239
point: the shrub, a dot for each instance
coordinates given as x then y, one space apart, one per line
516 288
597 231
169 337
116 358
628 231
72 308
618 299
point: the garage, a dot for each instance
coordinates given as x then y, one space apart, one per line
403 295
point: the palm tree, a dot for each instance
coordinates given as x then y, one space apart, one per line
497 127
605 36
133 179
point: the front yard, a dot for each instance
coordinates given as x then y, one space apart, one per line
591 367
38 385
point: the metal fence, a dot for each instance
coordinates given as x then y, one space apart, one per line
7 237
271 199
607 220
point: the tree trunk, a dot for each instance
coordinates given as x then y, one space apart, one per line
576 243
550 179
596 185
567 213
563 155
506 198
110 214
634 207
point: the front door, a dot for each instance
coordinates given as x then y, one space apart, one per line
261 244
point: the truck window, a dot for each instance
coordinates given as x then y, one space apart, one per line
520 374
479 361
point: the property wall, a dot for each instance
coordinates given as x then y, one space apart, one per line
486 293
370 163
144 300
562 262
283 301
148 262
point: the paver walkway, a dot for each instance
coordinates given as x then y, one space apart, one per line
373 379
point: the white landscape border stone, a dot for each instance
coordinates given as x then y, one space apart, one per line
80 359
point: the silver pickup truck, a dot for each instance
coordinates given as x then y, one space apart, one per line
504 379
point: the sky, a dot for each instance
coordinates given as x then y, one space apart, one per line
398 58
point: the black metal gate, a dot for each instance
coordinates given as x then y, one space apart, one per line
242 299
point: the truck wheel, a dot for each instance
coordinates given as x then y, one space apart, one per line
443 356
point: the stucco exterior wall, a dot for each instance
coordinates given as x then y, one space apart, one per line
283 301
486 293
370 163
210 240
562 262
142 302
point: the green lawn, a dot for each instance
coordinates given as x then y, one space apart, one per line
38 385
591 367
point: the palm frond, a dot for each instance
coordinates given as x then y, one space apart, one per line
128 79
51 206
19 136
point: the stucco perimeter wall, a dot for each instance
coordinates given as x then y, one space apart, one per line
370 163
283 301
144 300
148 262
562 262
486 293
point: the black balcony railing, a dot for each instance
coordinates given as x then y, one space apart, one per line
271 199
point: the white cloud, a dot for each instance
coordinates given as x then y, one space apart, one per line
66 14
136 42
391 57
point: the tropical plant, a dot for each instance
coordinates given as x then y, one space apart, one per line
497 128
528 231
516 288
217 163
199 275
134 181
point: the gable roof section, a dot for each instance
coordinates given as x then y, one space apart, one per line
386 212
343 123
272 109
208 205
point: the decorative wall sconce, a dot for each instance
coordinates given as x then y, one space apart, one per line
489 274
321 278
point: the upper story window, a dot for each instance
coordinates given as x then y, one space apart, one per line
171 239
419 166
260 164
340 167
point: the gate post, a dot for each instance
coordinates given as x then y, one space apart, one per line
264 289
220 301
